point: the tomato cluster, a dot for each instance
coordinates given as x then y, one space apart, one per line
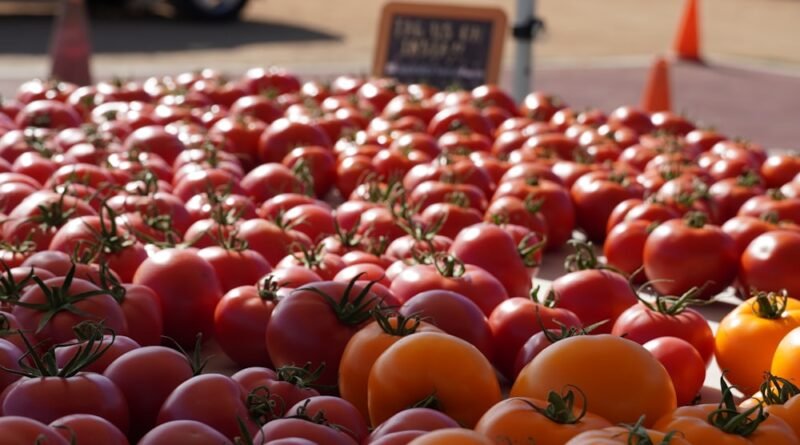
366 251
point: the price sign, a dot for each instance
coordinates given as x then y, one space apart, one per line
440 45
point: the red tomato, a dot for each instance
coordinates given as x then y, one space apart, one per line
685 366
244 313
185 432
594 295
683 253
314 323
188 289
283 135
19 430
667 317
132 371
455 314
595 195
494 250
766 264
213 399
515 320
51 308
48 398
412 419
624 247
88 429
470 281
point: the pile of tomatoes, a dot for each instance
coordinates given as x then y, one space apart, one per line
366 251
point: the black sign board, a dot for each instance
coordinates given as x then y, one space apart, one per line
441 45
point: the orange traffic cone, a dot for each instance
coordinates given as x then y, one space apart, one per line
70 49
687 40
656 95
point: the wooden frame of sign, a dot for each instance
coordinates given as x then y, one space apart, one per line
439 44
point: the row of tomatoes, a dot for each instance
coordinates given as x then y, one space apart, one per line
448 200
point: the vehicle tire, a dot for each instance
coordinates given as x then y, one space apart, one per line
217 10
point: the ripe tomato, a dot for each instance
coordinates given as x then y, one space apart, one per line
447 274
524 419
725 424
454 314
624 435
515 320
683 253
326 314
766 263
187 432
624 247
243 313
49 398
667 317
411 420
784 362
595 195
52 307
89 430
213 399
434 367
490 247
283 135
337 411
685 366
20 430
590 363
752 331
188 289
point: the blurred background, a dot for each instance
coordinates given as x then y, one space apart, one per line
591 52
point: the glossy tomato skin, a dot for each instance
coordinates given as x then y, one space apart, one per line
283 135
323 334
515 320
240 322
430 362
594 295
89 429
684 364
235 268
766 264
642 324
455 314
188 432
475 283
213 399
298 428
117 346
131 372
624 247
188 289
590 362
338 411
412 419
493 249
748 337
683 256
691 422
20 430
595 195
49 398
58 329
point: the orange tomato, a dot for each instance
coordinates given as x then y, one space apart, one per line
524 420
747 338
623 435
619 377
365 347
782 399
725 424
785 362
692 423
438 368
451 436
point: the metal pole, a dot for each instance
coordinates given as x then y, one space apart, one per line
522 60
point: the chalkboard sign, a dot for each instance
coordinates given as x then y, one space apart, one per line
440 45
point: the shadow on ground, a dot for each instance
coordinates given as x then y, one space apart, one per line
31 34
